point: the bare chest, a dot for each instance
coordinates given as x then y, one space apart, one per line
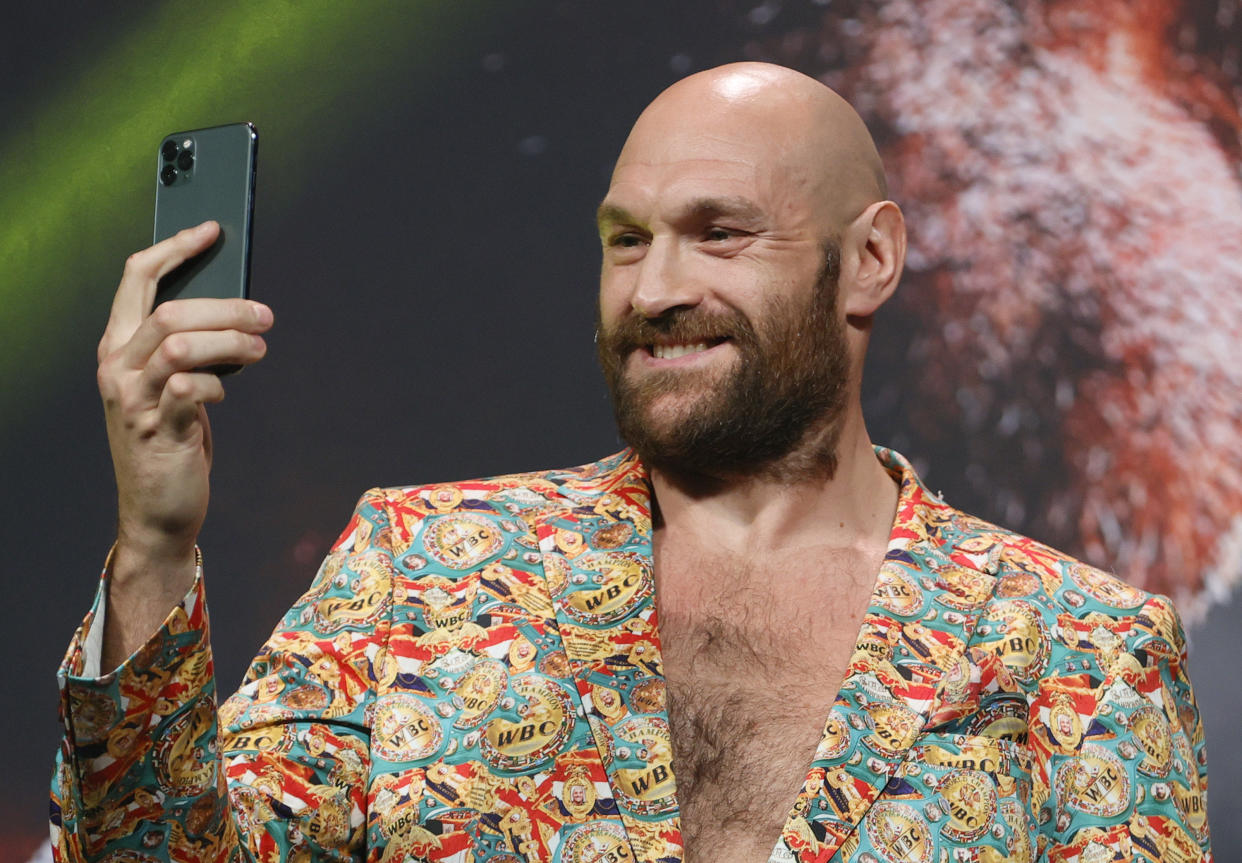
753 667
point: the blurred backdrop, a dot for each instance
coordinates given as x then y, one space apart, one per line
1062 357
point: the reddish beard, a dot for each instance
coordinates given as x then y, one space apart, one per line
789 380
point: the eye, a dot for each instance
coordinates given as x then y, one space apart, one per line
724 241
625 246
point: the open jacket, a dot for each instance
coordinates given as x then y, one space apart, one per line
475 675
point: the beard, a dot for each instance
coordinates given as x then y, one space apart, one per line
775 411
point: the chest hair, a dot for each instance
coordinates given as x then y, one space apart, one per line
753 658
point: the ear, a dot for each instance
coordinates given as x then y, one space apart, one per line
872 258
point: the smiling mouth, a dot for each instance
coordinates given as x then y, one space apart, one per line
672 352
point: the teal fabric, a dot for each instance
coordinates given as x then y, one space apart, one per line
475 674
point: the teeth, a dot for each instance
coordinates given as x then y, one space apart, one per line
672 352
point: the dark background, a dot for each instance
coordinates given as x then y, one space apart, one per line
424 233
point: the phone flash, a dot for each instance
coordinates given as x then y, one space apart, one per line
187 143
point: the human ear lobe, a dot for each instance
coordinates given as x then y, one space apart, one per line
878 238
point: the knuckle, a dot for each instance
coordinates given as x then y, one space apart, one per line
145 426
138 264
108 368
105 378
164 317
175 349
180 386
129 403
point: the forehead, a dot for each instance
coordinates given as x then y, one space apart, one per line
641 184
658 172
663 190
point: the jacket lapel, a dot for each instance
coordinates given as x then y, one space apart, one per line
597 559
912 642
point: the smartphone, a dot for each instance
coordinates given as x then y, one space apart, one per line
208 174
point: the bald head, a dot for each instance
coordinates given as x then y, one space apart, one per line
747 244
760 111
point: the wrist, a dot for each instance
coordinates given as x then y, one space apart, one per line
160 564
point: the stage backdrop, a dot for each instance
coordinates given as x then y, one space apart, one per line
1062 356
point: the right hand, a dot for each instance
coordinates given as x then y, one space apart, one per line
154 400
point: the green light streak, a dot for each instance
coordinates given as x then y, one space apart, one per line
77 180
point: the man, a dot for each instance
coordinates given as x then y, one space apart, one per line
478 671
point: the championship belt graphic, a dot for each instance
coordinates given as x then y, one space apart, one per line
647 789
899 834
545 721
1095 782
612 584
462 540
405 729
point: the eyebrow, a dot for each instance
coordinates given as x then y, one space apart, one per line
609 214
699 209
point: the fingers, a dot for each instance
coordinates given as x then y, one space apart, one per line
172 363
193 315
136 293
150 362
180 336
184 394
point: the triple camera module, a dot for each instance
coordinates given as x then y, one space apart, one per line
178 160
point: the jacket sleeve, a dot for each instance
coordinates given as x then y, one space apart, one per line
1135 786
150 768
1170 815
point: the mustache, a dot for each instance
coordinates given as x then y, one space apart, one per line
686 326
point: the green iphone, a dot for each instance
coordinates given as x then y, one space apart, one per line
208 174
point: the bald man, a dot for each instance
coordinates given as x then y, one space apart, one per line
751 635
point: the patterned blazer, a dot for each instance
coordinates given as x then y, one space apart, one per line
475 675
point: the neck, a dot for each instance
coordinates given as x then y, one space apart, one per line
775 509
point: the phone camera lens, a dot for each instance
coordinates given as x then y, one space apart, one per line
168 176
186 160
169 150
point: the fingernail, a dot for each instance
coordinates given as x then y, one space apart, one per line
262 314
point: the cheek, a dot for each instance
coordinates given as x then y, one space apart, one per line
752 280
614 298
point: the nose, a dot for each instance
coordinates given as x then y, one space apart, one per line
662 282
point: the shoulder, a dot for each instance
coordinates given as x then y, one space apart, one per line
1112 719
1058 584
1080 671
512 493
463 519
1020 579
